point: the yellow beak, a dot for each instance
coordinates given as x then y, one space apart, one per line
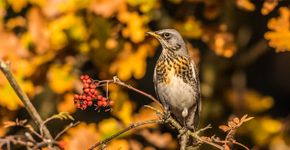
153 34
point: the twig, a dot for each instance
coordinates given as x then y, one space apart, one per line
46 143
219 144
65 129
240 144
132 126
41 128
24 98
119 82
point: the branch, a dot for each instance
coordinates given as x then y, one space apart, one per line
119 82
24 98
116 80
65 129
46 143
163 118
132 126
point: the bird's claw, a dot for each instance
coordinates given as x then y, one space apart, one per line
166 115
182 131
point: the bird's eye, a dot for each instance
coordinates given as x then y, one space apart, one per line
166 35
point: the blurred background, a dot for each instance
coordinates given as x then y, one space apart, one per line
240 47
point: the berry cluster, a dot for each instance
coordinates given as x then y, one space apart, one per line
90 95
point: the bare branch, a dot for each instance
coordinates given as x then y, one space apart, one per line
23 97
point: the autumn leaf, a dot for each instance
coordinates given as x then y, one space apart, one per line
191 28
106 8
67 104
279 35
131 63
253 101
245 4
268 6
17 5
82 136
60 78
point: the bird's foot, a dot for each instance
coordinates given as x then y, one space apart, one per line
182 131
166 115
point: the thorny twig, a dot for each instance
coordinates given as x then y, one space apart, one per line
171 121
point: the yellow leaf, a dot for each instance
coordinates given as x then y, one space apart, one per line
253 101
17 5
8 97
61 78
268 6
67 105
262 129
279 36
125 113
130 63
135 29
246 5
191 28
108 127
221 42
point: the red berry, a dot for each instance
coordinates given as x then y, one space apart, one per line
88 81
90 103
99 97
105 103
89 98
96 92
104 99
86 85
100 103
86 77
111 103
93 86
92 90
86 90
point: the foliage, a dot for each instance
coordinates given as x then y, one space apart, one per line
50 43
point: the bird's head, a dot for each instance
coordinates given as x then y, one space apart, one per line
170 40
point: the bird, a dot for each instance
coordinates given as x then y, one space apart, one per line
176 80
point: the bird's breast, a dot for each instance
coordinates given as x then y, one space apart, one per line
175 81
177 93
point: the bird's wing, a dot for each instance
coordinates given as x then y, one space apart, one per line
159 97
197 90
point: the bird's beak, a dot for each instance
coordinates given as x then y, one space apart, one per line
157 36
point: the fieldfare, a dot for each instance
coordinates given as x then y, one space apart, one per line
176 79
